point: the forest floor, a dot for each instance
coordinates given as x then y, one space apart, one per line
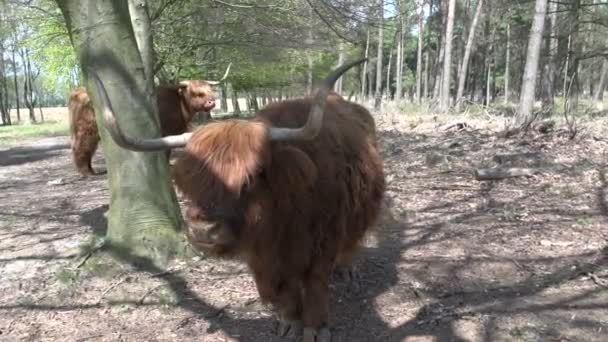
451 259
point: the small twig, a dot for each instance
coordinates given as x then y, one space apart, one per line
167 272
88 337
89 254
110 288
141 300
502 173
597 280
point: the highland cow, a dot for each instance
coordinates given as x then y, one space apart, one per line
177 106
292 192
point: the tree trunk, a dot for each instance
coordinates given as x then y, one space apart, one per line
524 115
236 108
467 54
399 65
598 95
388 75
341 53
5 107
378 95
419 54
437 69
508 64
489 85
444 100
16 86
140 20
566 68
224 99
144 220
426 75
548 77
400 54
309 56
364 73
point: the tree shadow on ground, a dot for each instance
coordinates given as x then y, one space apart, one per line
27 154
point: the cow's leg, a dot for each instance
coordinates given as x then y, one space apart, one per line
315 315
285 298
83 149
288 306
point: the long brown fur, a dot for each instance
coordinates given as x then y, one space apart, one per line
83 130
291 210
177 107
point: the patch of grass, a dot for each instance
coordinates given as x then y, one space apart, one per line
102 265
584 221
66 276
15 133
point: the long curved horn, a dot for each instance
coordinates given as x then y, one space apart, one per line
315 118
130 143
223 77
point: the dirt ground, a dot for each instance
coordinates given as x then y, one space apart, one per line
452 258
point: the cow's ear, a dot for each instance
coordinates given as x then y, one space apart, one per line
291 168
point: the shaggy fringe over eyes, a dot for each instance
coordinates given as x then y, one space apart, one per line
229 152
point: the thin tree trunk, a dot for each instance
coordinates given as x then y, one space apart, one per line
309 56
489 85
378 95
548 77
236 108
426 75
399 61
144 220
419 54
566 69
341 53
224 99
444 100
364 73
508 64
598 94
437 69
526 102
388 75
17 104
467 54
140 21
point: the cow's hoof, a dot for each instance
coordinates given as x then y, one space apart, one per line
349 275
316 335
284 327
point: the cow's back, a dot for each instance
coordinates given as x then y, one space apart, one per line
170 111
80 111
350 182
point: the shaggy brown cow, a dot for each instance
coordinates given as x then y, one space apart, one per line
292 202
177 106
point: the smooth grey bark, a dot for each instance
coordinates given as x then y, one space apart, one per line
419 53
548 77
598 94
17 104
364 72
341 53
378 95
425 95
524 115
399 61
140 21
467 54
444 99
508 64
144 219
